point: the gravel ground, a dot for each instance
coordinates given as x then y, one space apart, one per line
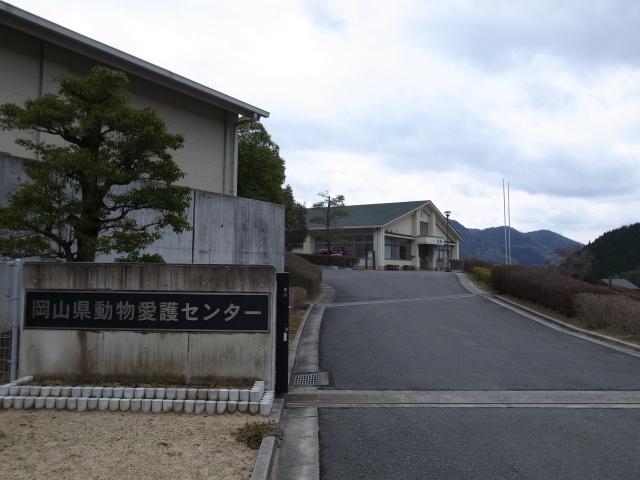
59 444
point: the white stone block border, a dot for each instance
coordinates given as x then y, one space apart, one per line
194 401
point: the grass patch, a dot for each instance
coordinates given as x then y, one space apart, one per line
252 433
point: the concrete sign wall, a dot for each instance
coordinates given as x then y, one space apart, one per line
71 328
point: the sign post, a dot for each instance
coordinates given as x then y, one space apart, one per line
282 334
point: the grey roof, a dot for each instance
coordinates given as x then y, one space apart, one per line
373 215
621 282
26 22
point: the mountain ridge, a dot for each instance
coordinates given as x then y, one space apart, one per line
530 248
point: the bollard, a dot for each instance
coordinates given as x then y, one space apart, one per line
76 392
156 405
202 393
181 393
45 391
118 392
265 408
128 393
212 394
192 394
135 405
28 403
39 403
232 406
50 403
86 392
61 403
14 390
167 406
161 393
145 406
200 406
221 407
170 394
55 391
92 403
24 391
114 404
34 391
189 406
210 407
178 406
96 392
223 394
65 392
72 403
125 404
234 395
4 390
107 392
139 393
103 404
254 407
150 393
244 395
243 407
83 404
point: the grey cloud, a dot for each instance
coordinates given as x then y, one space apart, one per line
578 31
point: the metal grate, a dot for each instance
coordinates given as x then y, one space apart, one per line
306 379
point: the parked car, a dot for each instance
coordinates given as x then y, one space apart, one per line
324 251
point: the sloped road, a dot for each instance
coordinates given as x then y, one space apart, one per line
427 381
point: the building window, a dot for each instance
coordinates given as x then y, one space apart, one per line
424 229
354 246
397 248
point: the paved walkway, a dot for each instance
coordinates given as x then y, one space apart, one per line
395 351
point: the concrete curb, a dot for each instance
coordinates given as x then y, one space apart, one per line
267 452
466 283
566 326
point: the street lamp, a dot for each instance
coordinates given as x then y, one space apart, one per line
447 213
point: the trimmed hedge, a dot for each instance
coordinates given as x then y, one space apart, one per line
547 288
470 263
302 273
611 311
328 260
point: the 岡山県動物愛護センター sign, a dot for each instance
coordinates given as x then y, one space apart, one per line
147 311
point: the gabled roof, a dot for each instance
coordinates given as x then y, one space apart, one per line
621 282
373 215
57 35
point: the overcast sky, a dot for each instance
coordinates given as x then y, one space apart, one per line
418 100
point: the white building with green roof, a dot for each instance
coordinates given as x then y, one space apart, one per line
402 235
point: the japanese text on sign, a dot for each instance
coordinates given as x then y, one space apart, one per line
147 311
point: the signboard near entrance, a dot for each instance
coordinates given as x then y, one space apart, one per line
91 310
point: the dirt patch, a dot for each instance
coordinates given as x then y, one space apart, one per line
122 445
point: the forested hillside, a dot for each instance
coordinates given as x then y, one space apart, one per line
616 252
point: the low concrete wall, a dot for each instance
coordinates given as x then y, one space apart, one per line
226 229
182 357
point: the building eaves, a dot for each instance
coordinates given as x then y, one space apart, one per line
26 22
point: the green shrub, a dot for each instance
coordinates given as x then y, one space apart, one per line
481 273
470 263
302 273
328 260
547 288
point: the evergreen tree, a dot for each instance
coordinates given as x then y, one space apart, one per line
114 161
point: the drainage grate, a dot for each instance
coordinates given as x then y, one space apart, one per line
306 379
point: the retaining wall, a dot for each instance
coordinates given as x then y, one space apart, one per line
177 357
